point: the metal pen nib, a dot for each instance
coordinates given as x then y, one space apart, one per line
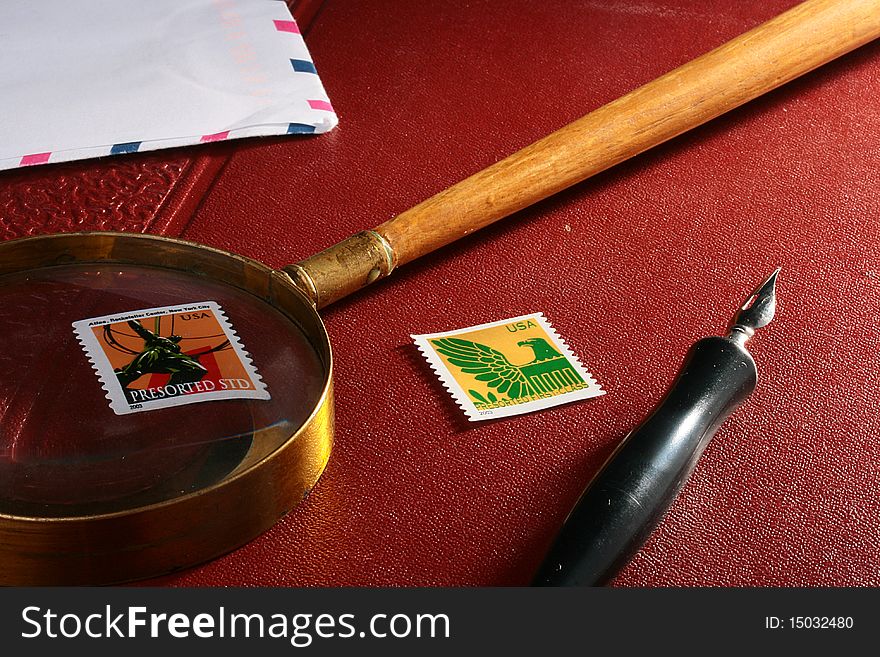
625 500
757 311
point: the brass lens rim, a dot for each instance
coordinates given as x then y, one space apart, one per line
160 538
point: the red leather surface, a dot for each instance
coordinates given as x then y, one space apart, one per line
631 267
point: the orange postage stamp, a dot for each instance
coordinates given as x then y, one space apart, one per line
508 367
168 356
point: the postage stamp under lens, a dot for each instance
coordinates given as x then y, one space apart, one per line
168 356
508 367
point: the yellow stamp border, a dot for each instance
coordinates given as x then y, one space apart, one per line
460 354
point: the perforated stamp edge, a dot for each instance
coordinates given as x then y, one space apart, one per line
113 389
453 382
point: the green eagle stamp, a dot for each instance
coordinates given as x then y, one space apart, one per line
508 367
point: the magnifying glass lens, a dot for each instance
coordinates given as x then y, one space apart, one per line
65 451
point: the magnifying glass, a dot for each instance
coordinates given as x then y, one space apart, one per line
162 402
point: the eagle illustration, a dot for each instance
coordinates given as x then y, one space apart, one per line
547 372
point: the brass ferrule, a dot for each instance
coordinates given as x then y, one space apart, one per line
344 268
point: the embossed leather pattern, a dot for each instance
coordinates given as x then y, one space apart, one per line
630 267
120 195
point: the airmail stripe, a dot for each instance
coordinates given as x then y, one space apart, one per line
287 26
320 105
34 158
129 147
303 66
300 129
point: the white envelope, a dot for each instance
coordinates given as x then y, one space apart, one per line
87 78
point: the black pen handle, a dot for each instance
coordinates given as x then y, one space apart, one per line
628 497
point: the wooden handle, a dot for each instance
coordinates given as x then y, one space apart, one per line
803 38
